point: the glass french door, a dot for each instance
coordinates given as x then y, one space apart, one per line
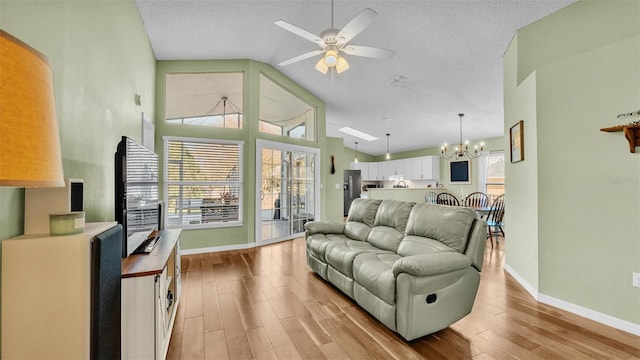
287 190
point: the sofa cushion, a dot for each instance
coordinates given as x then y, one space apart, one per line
394 213
362 214
385 237
390 224
374 272
340 255
317 243
414 245
448 224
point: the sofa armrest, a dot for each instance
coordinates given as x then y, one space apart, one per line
318 227
431 264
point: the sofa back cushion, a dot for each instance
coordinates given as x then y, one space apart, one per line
390 224
361 216
447 224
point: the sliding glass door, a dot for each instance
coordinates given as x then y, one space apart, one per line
287 189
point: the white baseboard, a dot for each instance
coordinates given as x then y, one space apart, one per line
596 316
232 247
530 289
605 319
216 249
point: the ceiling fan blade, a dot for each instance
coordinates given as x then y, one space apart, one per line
356 25
367 51
301 57
300 32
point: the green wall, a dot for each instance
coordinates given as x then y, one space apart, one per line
101 58
333 183
521 187
245 234
577 190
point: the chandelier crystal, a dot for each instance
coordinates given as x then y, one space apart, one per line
461 150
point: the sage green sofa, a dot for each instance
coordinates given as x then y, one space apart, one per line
414 267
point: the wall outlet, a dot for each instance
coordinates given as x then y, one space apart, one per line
636 279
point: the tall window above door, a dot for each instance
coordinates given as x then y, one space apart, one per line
282 113
206 99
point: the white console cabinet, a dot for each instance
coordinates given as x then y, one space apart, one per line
46 294
151 286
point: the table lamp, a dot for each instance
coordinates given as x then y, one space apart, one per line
29 142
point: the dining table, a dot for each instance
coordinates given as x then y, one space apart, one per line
482 211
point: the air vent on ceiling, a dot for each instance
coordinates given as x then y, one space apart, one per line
398 80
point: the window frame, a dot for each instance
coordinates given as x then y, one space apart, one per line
166 183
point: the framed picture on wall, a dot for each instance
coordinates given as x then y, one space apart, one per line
460 172
516 141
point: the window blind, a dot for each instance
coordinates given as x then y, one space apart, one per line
202 182
495 174
495 167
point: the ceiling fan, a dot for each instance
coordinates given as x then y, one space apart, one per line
333 42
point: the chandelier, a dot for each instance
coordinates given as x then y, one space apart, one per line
461 150
233 109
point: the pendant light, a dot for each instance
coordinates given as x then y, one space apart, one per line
356 159
388 156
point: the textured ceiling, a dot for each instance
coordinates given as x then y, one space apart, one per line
449 51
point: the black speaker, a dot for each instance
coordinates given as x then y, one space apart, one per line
160 215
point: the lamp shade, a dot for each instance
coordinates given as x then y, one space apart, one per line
29 142
341 65
321 66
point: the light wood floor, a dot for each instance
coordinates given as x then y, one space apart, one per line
265 303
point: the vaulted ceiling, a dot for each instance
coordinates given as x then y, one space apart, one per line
448 58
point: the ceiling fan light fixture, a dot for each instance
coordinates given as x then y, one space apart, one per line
333 42
331 58
342 65
321 66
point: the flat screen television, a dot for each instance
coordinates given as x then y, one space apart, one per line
136 193
460 172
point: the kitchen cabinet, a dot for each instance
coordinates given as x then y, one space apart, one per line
363 167
373 171
416 168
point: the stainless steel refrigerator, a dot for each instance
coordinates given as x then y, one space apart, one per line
351 188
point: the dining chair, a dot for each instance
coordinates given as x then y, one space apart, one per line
476 200
494 219
446 198
431 197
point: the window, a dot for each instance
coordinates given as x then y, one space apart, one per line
495 174
270 128
202 182
208 99
283 113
